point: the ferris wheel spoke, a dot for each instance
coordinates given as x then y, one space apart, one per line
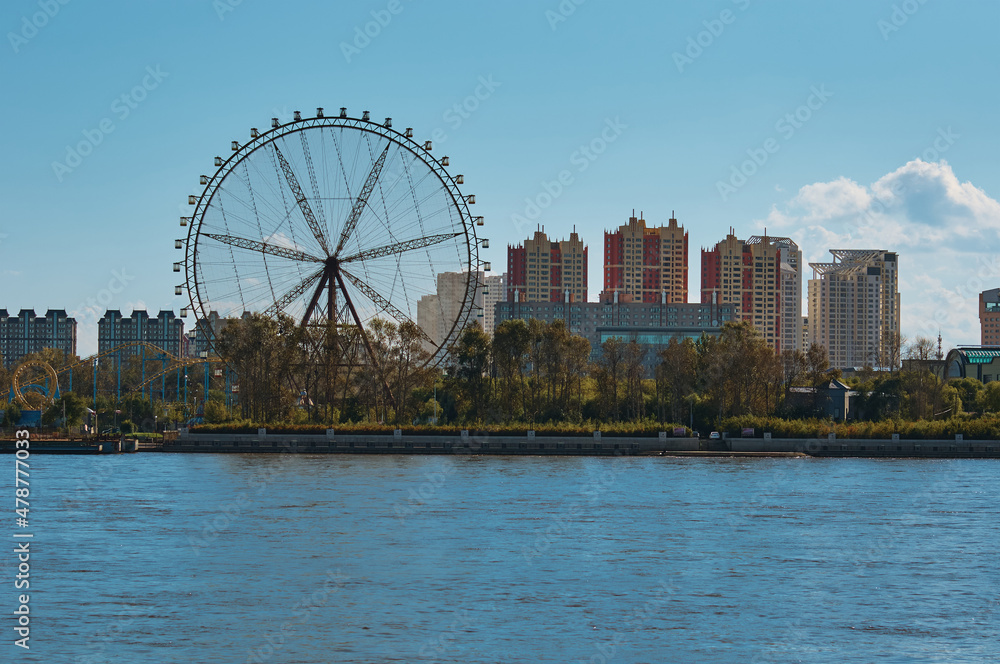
263 247
300 199
382 303
285 300
362 202
312 176
400 247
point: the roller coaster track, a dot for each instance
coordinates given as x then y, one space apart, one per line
157 355
114 351
176 363
182 364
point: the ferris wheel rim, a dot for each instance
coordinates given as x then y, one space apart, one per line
242 152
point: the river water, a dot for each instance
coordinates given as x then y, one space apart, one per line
294 558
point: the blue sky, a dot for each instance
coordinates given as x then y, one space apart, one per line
895 78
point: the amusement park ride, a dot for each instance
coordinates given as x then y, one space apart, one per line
333 221
379 218
36 384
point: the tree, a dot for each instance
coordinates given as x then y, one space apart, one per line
817 366
676 377
261 350
468 372
971 392
794 365
215 412
11 415
634 371
398 367
990 398
922 389
72 405
5 376
576 358
608 373
510 351
888 353
739 373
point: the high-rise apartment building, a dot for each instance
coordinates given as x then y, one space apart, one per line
854 307
438 313
495 290
544 271
647 263
989 317
791 290
165 331
27 333
753 276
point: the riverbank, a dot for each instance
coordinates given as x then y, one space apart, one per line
594 445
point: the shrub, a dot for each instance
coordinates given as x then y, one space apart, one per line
650 429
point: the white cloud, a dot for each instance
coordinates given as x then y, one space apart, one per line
947 234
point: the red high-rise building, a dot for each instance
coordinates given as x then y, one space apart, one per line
648 264
544 271
748 276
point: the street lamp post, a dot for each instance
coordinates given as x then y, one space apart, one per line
690 400
204 356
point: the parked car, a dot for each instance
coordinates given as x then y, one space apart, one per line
714 436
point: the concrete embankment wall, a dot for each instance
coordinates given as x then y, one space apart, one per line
951 448
574 445
415 444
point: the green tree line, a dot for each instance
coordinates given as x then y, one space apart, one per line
529 372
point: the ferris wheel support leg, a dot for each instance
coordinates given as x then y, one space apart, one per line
365 340
331 303
325 280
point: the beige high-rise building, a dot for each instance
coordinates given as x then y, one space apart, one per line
749 276
791 291
854 307
429 316
647 263
544 271
437 313
495 291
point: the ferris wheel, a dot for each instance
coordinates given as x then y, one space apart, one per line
334 220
